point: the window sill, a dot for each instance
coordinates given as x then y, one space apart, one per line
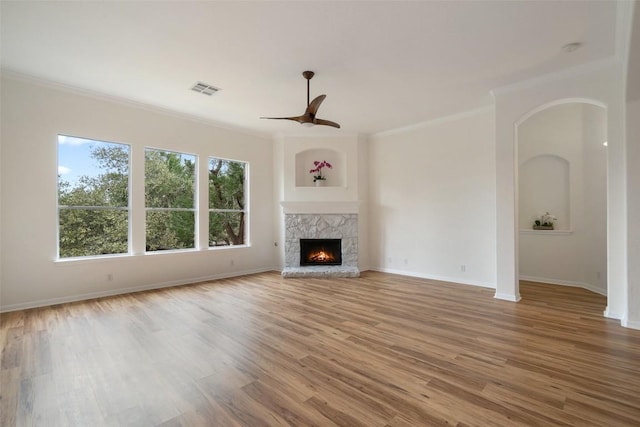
91 259
171 251
121 257
221 248
547 232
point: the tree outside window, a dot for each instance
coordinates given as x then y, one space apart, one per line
227 204
169 200
93 197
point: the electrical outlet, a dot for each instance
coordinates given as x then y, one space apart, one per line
232 262
109 277
463 268
406 261
389 260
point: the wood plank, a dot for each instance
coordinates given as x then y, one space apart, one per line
379 350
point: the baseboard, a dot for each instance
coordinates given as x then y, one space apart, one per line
507 297
121 291
633 324
433 277
613 315
570 283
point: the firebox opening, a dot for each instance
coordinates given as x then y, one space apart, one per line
320 252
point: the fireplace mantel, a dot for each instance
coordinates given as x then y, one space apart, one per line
321 207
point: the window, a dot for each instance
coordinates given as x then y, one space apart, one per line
170 200
93 197
227 204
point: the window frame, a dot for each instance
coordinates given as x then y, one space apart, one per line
60 207
245 211
195 209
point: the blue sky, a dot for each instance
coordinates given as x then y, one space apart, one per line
74 158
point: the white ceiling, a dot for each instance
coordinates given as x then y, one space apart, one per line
383 65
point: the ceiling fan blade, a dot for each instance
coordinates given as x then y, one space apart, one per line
315 104
299 119
309 116
326 123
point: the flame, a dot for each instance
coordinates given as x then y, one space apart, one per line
321 256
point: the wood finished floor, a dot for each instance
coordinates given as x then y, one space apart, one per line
381 350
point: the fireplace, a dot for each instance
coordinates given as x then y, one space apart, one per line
338 229
320 252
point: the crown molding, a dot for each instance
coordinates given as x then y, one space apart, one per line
436 121
624 25
577 70
101 96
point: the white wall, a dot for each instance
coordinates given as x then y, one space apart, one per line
432 200
363 196
633 194
566 141
594 133
278 196
32 116
633 171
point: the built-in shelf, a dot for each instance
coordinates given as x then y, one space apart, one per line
313 187
321 207
548 232
336 176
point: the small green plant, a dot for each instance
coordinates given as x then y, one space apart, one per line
545 220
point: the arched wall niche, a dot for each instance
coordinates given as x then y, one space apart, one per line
304 162
544 186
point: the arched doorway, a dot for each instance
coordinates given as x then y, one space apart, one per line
561 168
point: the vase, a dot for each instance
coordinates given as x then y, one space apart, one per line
543 227
320 182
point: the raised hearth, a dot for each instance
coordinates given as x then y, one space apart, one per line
321 271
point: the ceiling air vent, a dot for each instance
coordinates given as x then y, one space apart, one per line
204 88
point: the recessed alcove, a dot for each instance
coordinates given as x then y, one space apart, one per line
336 176
562 170
544 186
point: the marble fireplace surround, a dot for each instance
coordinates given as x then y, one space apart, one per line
321 220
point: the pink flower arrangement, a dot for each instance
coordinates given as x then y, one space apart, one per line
317 172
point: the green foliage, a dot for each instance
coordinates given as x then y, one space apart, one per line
169 183
226 228
226 192
92 224
170 230
169 180
85 230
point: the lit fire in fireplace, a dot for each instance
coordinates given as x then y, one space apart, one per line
320 252
321 256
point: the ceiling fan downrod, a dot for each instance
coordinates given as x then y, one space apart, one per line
308 75
309 117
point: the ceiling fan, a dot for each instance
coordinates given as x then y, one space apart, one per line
309 117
